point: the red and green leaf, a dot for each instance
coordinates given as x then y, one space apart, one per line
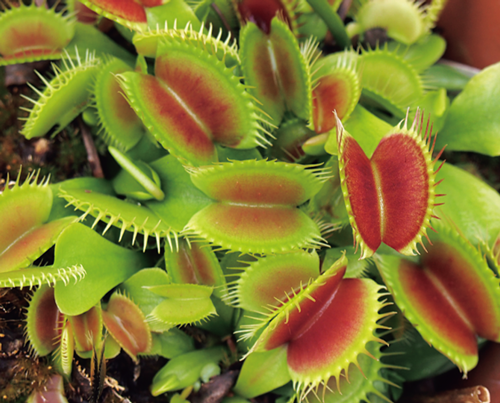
255 229
325 326
31 245
260 182
272 279
276 71
30 33
262 12
127 325
390 197
87 329
255 212
195 263
129 13
25 234
451 295
43 321
337 88
120 126
193 102
183 304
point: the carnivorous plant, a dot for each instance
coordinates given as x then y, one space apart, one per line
287 200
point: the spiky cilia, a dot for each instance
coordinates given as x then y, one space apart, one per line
115 212
226 50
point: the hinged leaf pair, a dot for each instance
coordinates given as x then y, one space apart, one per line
324 321
31 33
255 206
389 197
27 233
192 103
451 295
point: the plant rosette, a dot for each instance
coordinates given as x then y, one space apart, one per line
197 237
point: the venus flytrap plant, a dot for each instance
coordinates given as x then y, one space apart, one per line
126 323
27 234
306 312
396 85
119 125
252 195
193 138
43 321
449 273
377 204
183 304
336 87
142 175
51 112
87 329
48 330
184 370
31 33
186 124
195 263
129 14
53 391
276 70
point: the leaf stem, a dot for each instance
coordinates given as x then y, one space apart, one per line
332 20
